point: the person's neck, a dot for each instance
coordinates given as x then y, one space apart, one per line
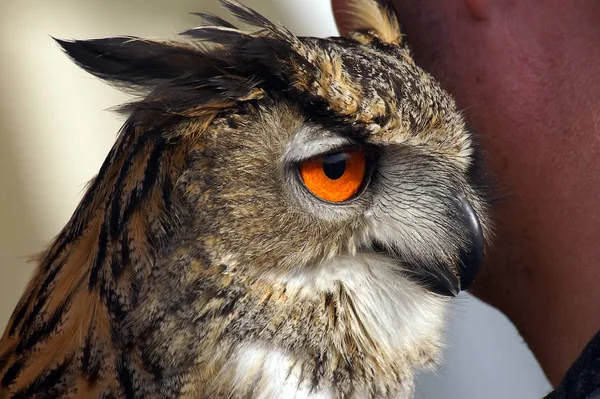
527 74
546 93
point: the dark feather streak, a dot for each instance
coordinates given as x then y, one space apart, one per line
46 383
100 256
47 328
214 20
125 378
13 372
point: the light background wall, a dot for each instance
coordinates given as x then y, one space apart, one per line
55 131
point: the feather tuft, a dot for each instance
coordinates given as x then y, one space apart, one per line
373 17
214 20
248 15
217 35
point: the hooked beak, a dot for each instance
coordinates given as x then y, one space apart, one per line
449 281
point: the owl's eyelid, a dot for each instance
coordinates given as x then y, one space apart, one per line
344 147
310 143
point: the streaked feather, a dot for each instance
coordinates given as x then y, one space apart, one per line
214 20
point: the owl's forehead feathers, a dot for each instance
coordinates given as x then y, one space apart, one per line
377 88
366 82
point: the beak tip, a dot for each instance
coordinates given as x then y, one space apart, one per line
471 258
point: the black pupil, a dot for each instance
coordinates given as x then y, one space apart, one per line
334 165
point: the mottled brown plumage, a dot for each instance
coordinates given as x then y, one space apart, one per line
197 265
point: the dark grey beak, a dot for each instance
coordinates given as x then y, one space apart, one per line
471 258
449 281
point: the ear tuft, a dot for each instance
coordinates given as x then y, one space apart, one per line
214 20
371 17
137 65
247 15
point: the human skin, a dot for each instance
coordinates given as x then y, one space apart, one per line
527 75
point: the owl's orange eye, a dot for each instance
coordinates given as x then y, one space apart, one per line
335 177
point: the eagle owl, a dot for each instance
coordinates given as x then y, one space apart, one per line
280 217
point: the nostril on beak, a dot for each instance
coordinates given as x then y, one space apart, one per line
471 257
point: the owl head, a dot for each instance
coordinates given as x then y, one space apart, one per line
302 149
253 162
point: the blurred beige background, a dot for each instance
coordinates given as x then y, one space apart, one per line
55 131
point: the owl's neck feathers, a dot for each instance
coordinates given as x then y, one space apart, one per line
345 328
92 274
